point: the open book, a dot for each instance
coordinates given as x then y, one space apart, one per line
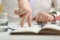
48 29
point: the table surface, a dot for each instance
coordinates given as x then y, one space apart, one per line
7 36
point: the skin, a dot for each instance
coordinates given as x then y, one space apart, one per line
43 17
26 14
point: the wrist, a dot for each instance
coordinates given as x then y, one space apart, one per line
54 14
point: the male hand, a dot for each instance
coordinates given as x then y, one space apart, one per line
43 17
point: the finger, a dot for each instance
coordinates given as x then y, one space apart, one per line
34 18
29 20
40 19
37 18
16 11
47 20
21 15
51 19
23 19
43 19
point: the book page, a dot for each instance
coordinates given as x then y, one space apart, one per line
52 26
34 28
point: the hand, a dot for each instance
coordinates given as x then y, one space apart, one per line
43 17
25 16
24 12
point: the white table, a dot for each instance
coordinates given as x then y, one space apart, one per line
7 36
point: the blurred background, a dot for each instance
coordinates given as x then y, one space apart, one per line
0 6
10 5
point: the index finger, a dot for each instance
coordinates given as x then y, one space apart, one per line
29 20
23 19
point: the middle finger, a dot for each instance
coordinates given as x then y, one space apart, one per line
23 19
